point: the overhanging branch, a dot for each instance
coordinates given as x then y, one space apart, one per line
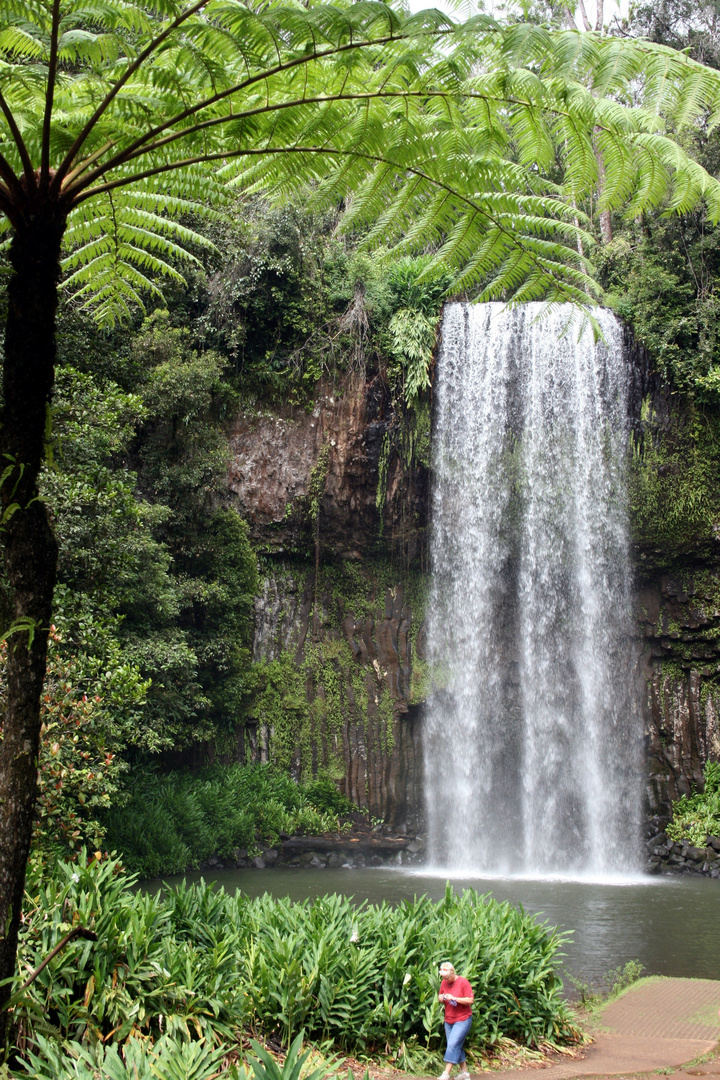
49 96
18 139
13 184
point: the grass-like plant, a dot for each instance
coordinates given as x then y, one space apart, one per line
697 816
616 980
200 967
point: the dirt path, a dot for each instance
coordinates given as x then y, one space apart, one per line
656 1024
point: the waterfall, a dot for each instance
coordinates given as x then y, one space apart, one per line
532 736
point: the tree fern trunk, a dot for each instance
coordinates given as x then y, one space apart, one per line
29 547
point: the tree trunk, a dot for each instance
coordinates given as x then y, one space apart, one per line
606 229
30 550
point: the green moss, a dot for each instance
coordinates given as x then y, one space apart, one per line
709 693
671 669
381 489
386 712
304 705
420 681
360 695
280 704
316 485
707 590
674 494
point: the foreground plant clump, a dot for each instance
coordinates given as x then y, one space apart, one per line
203 970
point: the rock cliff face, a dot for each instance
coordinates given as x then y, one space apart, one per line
343 600
358 667
341 448
679 618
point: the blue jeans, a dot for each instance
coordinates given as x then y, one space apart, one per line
456 1034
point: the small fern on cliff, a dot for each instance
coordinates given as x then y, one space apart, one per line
695 817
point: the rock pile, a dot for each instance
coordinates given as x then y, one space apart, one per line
318 852
667 856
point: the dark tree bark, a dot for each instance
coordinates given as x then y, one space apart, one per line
29 546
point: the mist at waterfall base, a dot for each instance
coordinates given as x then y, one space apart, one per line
532 740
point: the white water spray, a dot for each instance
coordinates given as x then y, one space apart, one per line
532 734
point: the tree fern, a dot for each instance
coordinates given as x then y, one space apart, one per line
438 132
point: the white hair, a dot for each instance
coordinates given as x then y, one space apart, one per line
447 966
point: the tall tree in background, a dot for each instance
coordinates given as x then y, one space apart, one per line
682 24
118 120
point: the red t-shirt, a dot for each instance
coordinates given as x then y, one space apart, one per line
459 988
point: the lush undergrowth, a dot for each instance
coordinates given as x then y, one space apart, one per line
176 821
206 970
695 817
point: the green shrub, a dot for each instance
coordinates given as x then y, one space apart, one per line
165 1060
695 817
178 820
323 794
199 967
616 980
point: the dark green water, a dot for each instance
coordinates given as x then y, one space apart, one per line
672 925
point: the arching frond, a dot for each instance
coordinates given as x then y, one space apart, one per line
120 240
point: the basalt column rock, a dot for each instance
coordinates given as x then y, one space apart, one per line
347 650
339 445
341 520
679 618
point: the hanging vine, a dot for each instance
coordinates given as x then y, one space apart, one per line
316 490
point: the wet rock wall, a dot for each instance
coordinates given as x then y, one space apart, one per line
349 639
341 522
679 620
369 500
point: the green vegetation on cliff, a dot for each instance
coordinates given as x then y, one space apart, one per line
695 817
674 490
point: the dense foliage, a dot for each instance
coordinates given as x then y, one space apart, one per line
175 821
79 775
156 578
695 817
201 967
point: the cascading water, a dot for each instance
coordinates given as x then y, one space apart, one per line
532 734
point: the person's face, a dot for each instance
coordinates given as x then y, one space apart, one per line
449 976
